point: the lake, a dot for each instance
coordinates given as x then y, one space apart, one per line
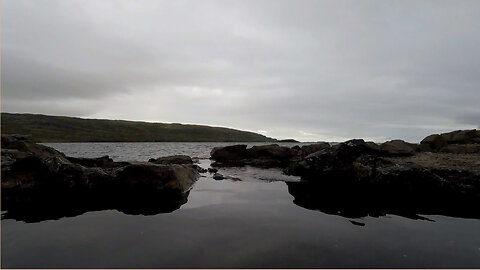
252 222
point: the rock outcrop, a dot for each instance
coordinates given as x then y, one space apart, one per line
398 148
262 156
443 171
395 177
459 141
35 175
177 159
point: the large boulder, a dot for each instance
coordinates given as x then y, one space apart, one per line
147 176
306 150
17 147
36 179
176 159
104 161
333 161
432 143
398 148
395 169
261 156
451 142
378 179
229 153
273 151
26 164
462 137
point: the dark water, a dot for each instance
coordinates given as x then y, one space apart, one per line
250 223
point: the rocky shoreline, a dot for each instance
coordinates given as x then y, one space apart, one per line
39 182
441 175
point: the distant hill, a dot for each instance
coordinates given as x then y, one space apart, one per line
45 128
289 141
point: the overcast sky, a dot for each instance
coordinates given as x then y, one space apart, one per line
309 70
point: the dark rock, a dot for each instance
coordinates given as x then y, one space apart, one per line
389 173
260 156
312 148
104 161
398 148
272 152
177 159
437 142
462 137
333 161
36 176
461 148
229 153
212 170
142 176
432 143
199 169
218 176
373 146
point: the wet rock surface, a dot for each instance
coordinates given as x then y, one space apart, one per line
39 179
444 170
357 179
261 156
441 175
446 142
177 159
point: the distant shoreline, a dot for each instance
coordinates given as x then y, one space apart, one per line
62 129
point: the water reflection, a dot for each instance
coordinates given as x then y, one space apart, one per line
355 202
348 202
227 224
253 223
39 207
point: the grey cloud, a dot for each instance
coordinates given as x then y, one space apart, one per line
311 70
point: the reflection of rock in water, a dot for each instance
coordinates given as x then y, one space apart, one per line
40 183
37 207
355 201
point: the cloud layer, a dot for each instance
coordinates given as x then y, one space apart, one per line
310 70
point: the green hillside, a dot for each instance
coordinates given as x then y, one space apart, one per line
46 128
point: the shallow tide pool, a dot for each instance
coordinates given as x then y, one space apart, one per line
251 223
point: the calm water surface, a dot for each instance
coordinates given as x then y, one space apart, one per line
252 223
